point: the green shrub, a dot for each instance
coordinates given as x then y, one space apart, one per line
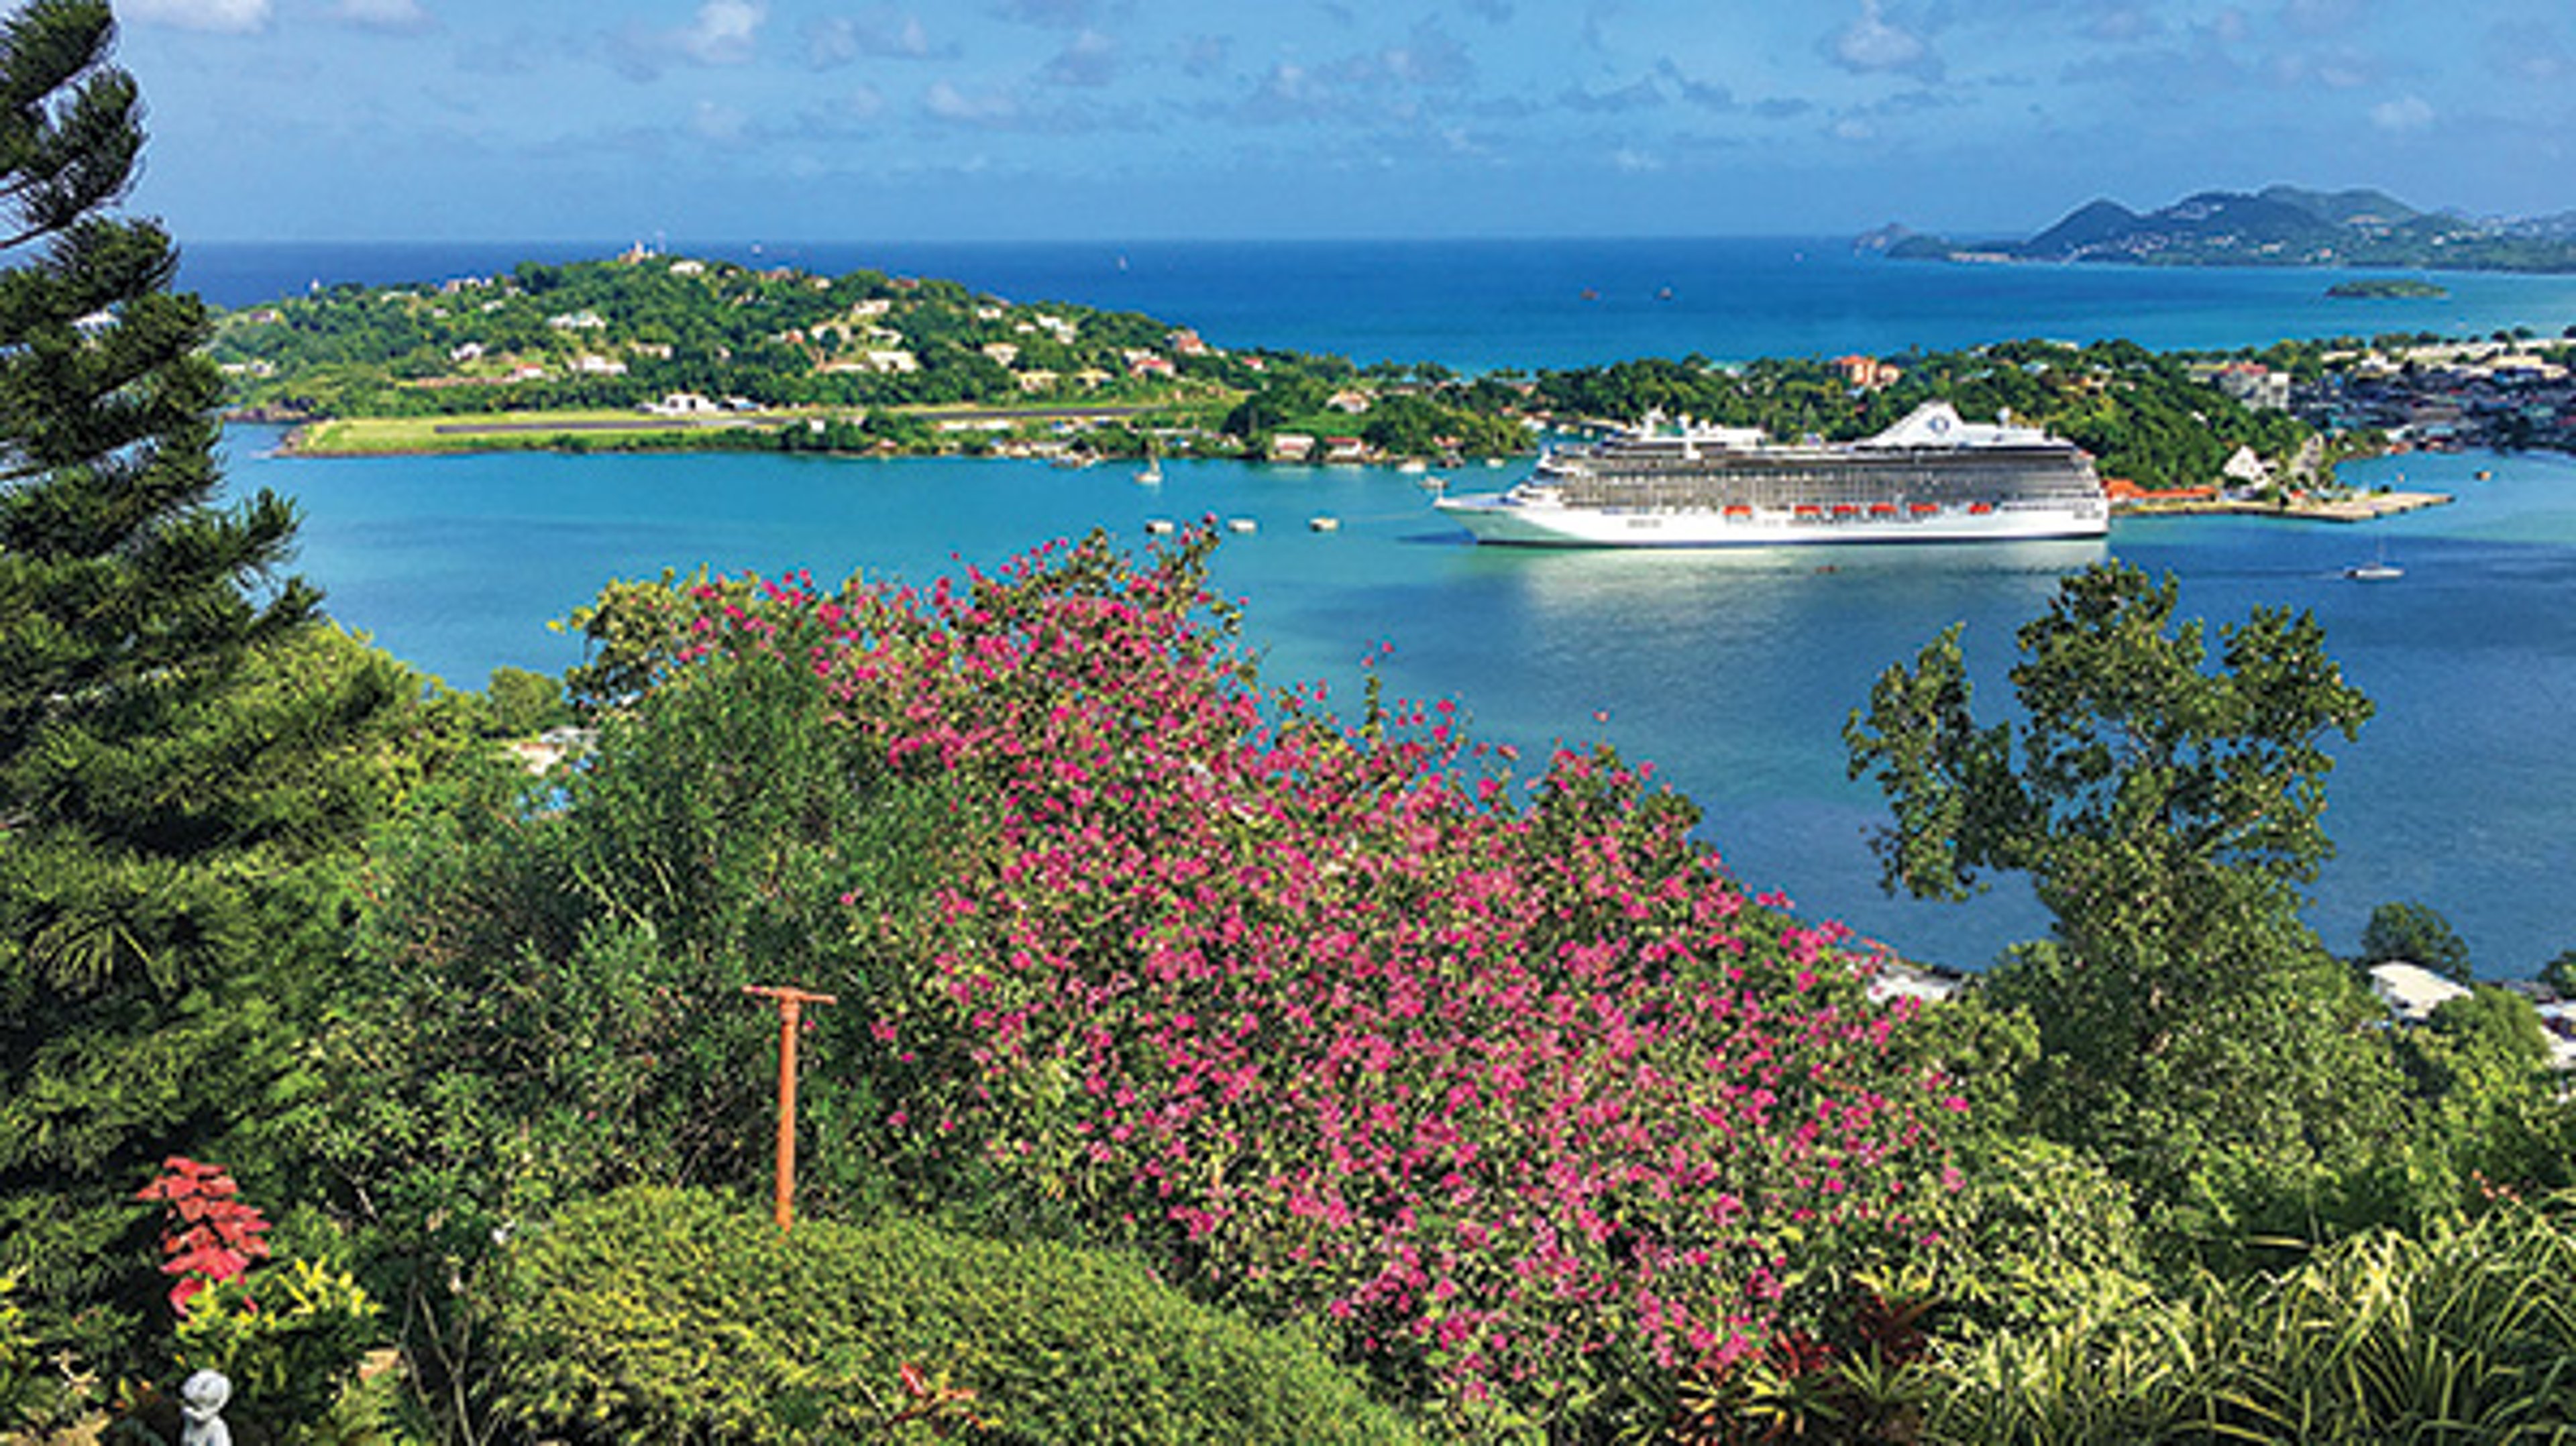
656 1314
2465 1334
289 1338
25 1393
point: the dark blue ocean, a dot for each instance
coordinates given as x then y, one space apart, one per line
1732 672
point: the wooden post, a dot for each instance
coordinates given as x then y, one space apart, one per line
791 1006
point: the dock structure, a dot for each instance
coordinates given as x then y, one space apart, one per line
2353 507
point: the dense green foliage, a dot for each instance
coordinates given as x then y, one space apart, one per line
2192 1030
627 332
674 1315
2466 1332
181 746
550 1005
2415 933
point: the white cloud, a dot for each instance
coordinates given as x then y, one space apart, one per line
881 34
724 32
1633 162
2405 113
946 102
1872 44
236 16
397 15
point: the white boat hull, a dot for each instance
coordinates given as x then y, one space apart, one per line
1498 517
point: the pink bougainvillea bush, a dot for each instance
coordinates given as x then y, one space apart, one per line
1505 1081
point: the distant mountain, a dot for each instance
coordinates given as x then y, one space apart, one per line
2276 226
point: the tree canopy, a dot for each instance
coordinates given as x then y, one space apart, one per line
2166 813
179 740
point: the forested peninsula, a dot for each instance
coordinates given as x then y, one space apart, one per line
651 351
2279 225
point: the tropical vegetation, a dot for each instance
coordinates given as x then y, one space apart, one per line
1199 1062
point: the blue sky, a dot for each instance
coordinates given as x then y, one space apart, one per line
1081 119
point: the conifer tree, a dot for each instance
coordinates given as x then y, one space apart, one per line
179 739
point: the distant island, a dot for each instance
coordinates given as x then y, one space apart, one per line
2391 288
2277 226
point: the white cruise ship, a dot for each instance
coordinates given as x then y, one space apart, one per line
1930 478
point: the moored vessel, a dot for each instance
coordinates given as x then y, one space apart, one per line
1932 477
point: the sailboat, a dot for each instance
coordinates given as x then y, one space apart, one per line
1151 474
2380 569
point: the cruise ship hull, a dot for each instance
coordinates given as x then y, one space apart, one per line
1500 517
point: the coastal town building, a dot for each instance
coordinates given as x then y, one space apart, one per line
2448 395
2256 386
1868 373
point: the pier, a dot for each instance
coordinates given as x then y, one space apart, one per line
2354 507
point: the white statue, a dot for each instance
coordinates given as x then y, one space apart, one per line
200 1397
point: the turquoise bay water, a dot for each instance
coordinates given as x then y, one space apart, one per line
1732 672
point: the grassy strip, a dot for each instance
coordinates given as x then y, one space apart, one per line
502 431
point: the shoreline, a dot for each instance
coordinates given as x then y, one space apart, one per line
2360 507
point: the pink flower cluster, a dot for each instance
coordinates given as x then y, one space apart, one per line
1349 1024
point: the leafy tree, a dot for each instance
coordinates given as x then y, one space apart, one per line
2560 973
520 703
2191 1028
549 1001
180 745
2415 934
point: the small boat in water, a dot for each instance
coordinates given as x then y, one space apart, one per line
1324 524
2378 569
1241 524
1151 473
1158 526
